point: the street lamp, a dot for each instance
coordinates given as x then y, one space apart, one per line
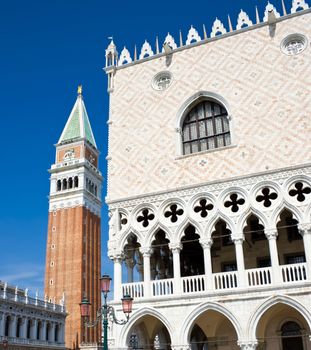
105 310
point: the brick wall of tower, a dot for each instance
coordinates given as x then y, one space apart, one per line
73 267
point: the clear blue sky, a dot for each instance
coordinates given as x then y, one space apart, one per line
48 47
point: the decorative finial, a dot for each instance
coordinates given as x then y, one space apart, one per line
204 32
157 45
180 39
257 16
230 24
79 90
284 8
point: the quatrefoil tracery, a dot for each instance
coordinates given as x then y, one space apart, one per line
300 191
234 202
203 208
173 212
266 197
145 217
123 219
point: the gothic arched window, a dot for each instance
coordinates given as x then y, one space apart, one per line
205 127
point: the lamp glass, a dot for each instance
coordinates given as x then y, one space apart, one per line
105 283
85 308
127 303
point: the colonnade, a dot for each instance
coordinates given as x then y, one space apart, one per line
24 327
206 244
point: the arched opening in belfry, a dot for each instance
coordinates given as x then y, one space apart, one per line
59 185
289 241
282 327
148 332
191 254
64 186
213 330
76 181
255 245
70 183
161 259
133 260
222 250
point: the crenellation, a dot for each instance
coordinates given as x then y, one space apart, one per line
193 36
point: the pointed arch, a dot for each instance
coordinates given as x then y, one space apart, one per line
211 225
245 216
154 230
275 217
125 235
190 320
135 317
180 232
278 299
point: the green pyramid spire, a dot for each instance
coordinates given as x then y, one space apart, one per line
78 125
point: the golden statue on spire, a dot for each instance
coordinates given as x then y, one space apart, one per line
80 90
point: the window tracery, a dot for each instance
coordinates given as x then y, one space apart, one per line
205 127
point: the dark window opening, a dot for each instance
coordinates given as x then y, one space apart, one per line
205 127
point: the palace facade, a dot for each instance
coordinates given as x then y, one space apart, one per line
209 185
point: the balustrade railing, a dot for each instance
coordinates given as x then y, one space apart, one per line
220 281
225 280
135 290
294 272
259 277
193 284
162 287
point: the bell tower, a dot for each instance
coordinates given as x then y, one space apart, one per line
73 252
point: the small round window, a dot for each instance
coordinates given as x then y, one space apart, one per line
162 81
294 44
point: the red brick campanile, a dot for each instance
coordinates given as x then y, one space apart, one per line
73 252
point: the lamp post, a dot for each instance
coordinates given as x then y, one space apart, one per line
105 310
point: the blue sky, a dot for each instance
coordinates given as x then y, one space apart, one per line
47 49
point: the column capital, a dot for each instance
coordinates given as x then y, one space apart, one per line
145 251
248 345
206 243
237 240
175 246
271 234
304 229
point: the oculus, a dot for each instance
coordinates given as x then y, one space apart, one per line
162 80
294 44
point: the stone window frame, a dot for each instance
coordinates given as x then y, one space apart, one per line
186 107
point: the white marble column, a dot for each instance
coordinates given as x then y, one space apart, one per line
117 275
175 248
272 236
2 324
52 332
33 329
43 330
208 271
23 328
12 327
147 275
238 244
305 231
